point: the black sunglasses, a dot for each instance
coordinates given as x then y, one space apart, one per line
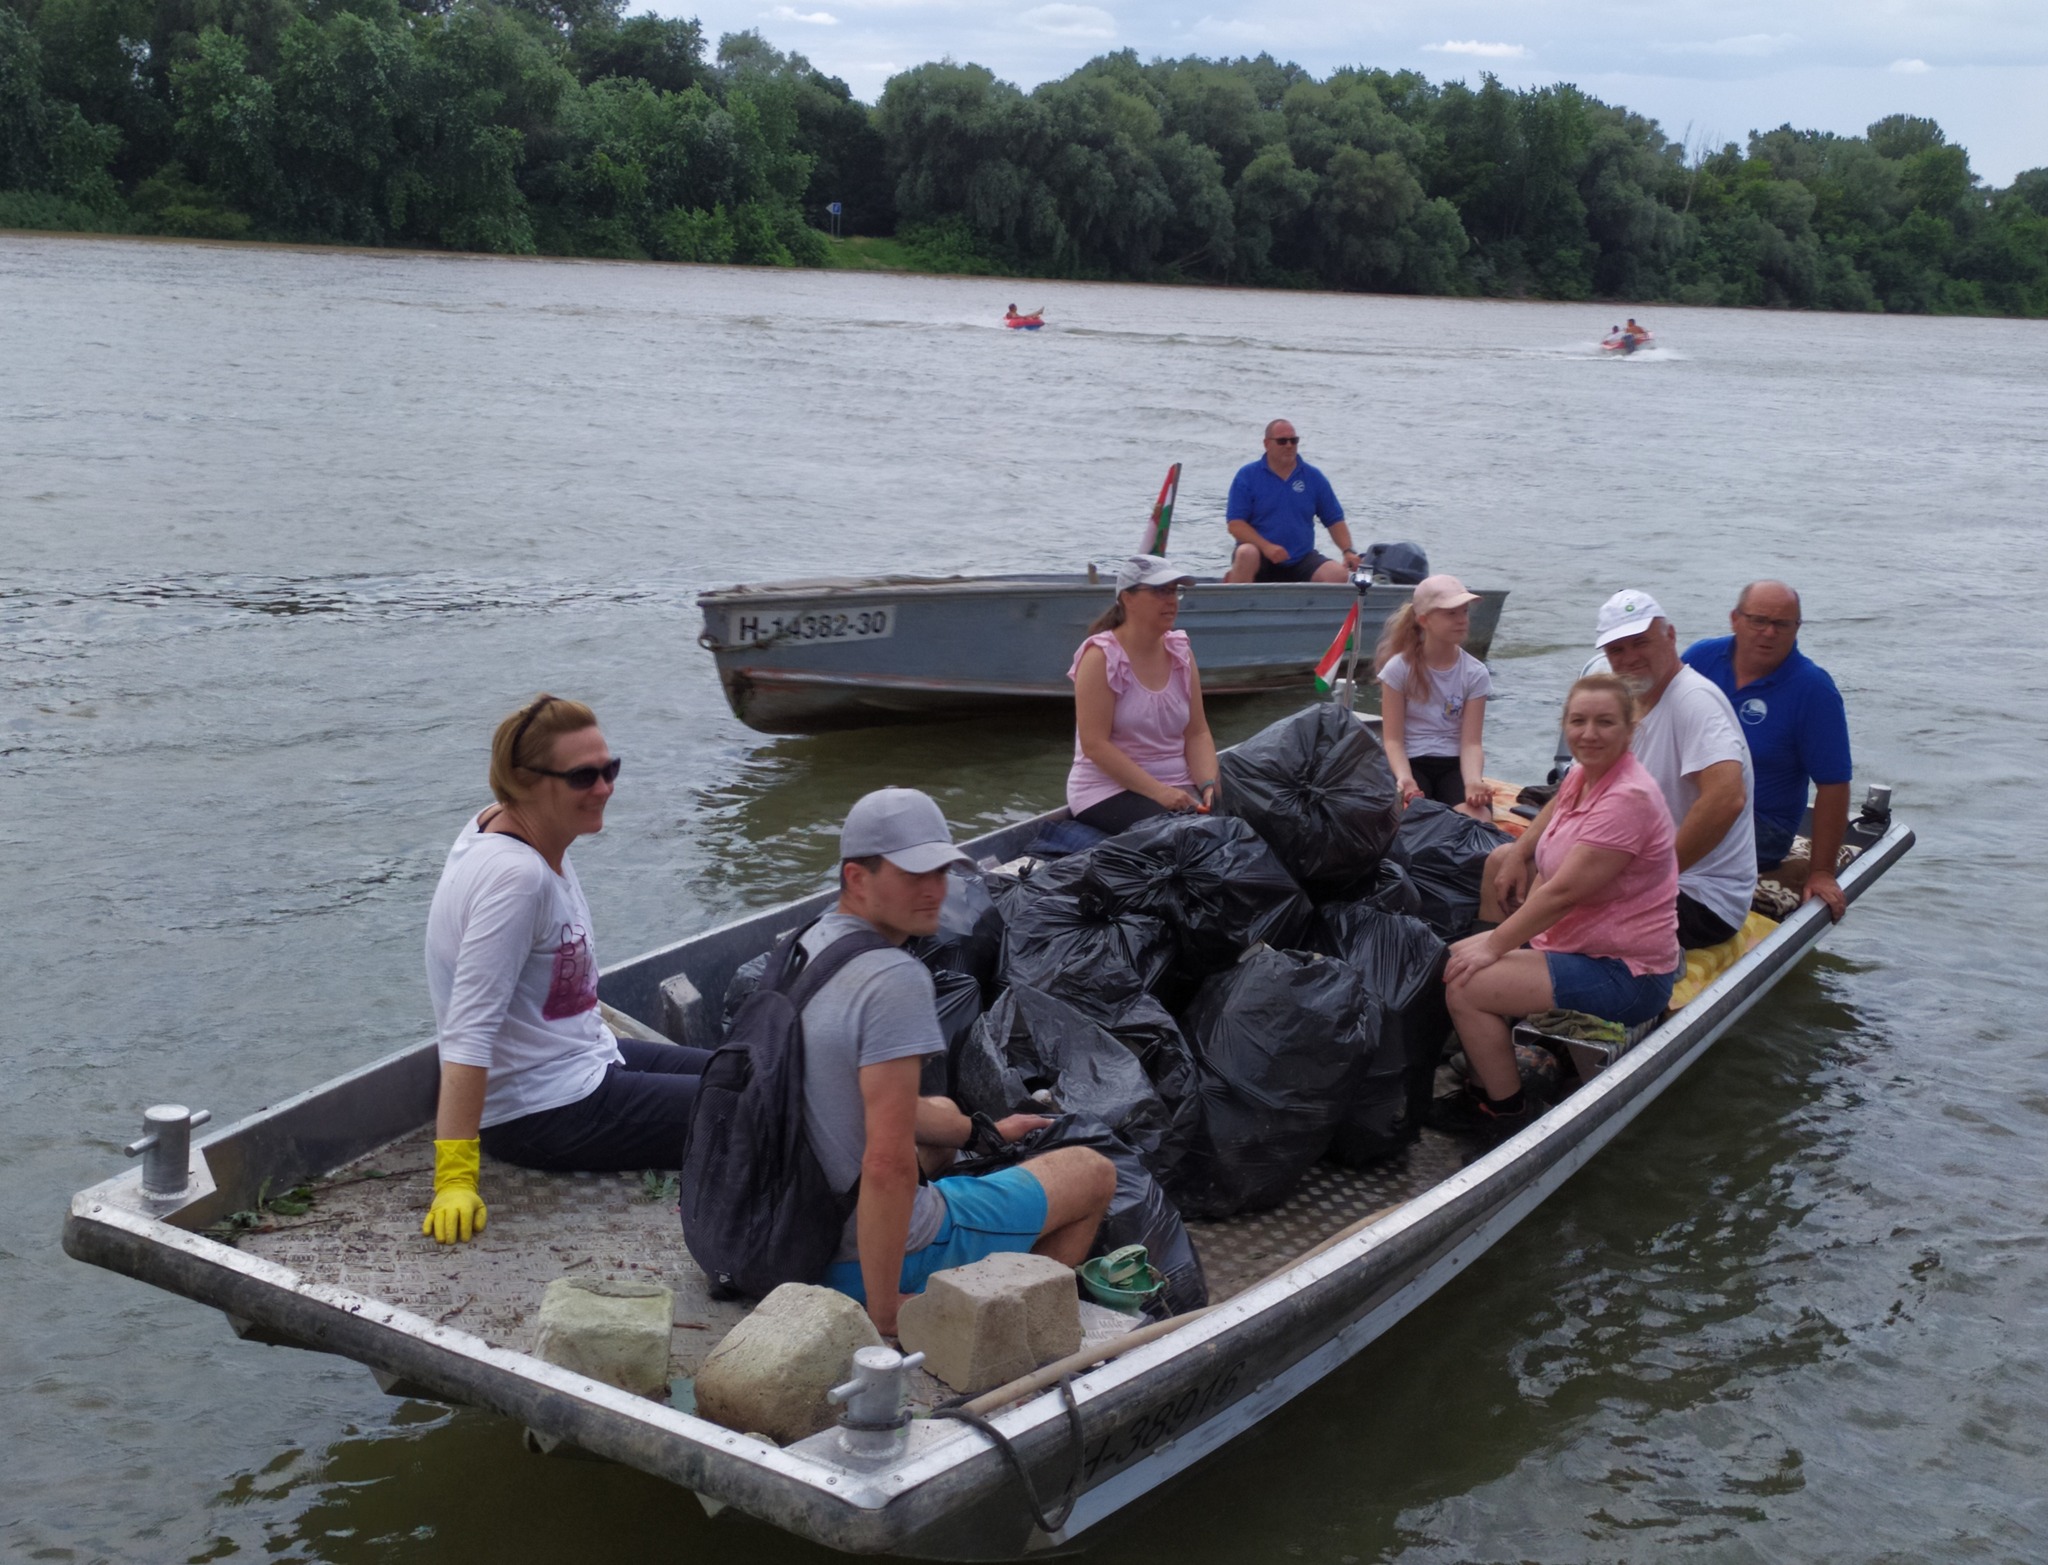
582 778
1286 440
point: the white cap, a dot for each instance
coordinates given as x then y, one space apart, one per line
1149 570
1626 614
903 826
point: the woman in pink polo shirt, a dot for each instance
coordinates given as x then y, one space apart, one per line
1600 923
1142 746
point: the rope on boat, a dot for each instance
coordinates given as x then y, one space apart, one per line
1049 1522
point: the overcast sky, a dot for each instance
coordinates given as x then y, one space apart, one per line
1980 67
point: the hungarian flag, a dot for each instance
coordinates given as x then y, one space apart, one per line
1326 671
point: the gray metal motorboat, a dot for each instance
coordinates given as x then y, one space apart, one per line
355 1278
808 656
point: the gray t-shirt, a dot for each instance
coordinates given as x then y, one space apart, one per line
879 1006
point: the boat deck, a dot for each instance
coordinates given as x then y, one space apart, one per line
362 1233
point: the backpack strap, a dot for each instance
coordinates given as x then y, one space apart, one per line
822 968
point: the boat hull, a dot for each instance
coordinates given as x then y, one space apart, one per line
1145 1417
805 657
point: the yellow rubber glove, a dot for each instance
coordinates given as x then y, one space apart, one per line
458 1211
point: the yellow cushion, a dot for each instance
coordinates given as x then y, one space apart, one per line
1703 966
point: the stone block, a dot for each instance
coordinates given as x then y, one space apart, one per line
614 1331
980 1326
772 1371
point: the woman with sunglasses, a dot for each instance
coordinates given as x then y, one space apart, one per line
1141 740
527 1068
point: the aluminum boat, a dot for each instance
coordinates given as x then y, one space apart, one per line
1296 1291
809 656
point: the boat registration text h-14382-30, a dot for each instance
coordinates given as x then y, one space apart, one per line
754 628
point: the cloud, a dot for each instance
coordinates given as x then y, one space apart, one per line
1750 45
1070 21
1911 67
1478 50
789 13
1232 30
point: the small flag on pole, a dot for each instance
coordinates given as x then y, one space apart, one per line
1326 671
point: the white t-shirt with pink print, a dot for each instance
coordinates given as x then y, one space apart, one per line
513 975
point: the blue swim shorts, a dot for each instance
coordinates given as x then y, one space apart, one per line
990 1215
1603 986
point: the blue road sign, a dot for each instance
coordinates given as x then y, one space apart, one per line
833 209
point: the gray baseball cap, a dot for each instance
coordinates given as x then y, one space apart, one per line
903 826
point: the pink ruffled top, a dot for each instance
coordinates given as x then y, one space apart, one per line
1150 726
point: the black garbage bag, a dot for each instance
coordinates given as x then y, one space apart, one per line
1402 962
1080 946
958 996
1280 1041
1445 853
969 938
745 980
1031 1043
1316 786
1215 884
1139 1212
1392 890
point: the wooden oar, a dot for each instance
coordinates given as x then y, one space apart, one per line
1153 539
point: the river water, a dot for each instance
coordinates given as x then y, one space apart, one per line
285 532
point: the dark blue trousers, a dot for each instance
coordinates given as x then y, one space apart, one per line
634 1119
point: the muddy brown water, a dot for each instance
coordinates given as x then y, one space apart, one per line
284 532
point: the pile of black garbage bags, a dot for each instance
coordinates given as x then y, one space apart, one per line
1217 1002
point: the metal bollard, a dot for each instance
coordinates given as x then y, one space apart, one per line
876 1420
166 1147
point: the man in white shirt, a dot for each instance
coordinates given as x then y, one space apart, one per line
1689 739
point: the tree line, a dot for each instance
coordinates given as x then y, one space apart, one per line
566 127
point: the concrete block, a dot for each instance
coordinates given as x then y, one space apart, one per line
772 1371
614 1331
980 1326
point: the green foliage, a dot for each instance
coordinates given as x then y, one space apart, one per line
47 145
947 245
58 214
568 127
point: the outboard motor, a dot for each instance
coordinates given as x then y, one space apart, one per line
1401 564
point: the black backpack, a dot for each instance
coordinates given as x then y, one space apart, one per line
757 1210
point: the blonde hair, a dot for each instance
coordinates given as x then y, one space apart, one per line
1609 684
1401 637
526 739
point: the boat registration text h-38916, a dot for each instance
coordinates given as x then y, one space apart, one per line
752 628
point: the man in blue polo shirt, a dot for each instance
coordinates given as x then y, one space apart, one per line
1273 509
1792 717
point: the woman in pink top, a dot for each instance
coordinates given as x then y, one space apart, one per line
1602 916
1141 741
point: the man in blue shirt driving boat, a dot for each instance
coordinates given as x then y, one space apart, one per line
1272 512
1798 732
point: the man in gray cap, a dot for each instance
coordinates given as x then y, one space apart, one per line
866 1035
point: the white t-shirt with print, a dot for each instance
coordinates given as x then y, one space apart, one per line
513 975
1434 727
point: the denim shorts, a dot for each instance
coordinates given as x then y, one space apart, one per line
1603 986
993 1214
